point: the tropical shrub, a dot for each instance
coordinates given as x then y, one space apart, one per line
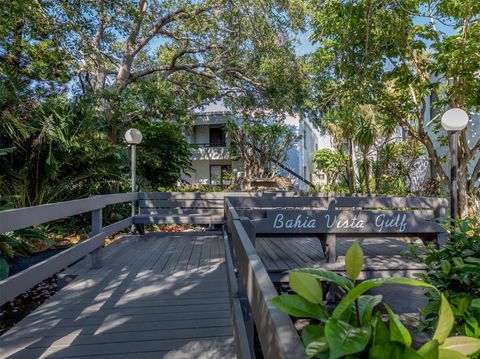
333 162
455 271
355 328
164 153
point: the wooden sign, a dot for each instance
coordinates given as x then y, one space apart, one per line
349 221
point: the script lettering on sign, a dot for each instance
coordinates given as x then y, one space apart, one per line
331 220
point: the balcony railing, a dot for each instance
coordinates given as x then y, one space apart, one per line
208 152
211 144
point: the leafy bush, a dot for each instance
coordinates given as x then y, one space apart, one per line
164 153
333 163
455 271
355 328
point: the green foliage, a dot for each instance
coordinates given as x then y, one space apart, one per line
354 261
455 271
260 144
355 328
377 63
164 153
333 163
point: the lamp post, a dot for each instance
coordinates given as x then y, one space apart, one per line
133 137
454 121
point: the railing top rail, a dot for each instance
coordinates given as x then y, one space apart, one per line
277 334
19 218
319 201
209 195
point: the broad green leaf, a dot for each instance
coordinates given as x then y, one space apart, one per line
4 268
299 307
327 276
445 321
344 339
354 260
471 327
348 300
472 259
398 332
462 306
475 303
380 334
366 304
317 347
458 261
429 350
450 354
311 333
307 286
464 345
393 350
445 266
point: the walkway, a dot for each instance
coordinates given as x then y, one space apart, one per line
382 256
157 296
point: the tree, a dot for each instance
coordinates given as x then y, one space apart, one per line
394 55
260 144
333 162
163 154
204 49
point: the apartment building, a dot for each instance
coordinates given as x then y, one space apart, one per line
212 163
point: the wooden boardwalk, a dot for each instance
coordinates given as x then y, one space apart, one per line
157 296
382 255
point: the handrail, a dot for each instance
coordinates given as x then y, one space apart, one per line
277 335
14 219
19 218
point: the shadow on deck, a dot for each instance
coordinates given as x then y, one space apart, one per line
382 256
156 296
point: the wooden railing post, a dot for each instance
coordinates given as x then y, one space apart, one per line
249 228
97 219
244 278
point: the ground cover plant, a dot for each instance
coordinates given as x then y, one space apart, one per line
455 271
355 327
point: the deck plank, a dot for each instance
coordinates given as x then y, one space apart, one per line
382 255
156 296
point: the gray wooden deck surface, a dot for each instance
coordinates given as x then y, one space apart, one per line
157 296
382 255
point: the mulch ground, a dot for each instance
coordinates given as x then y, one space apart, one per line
17 309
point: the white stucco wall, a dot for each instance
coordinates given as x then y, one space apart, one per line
300 155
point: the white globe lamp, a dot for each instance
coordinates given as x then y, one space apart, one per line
133 136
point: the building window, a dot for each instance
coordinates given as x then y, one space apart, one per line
217 137
304 139
221 175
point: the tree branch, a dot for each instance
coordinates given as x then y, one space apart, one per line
167 19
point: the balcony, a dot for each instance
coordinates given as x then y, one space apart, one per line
206 151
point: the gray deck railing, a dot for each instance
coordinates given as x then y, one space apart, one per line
277 335
14 219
